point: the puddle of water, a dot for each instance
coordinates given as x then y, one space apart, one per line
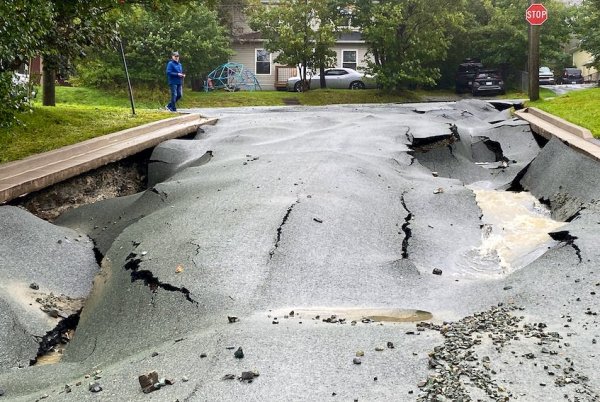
515 231
373 314
49 358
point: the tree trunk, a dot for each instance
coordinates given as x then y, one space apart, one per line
322 75
48 85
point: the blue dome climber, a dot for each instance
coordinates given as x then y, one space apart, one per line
231 77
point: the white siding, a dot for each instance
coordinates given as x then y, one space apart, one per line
244 53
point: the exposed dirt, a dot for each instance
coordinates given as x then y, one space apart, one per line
125 177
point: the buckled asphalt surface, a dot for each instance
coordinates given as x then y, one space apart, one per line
321 211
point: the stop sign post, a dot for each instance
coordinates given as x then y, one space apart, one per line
536 14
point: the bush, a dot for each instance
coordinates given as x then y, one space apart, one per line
14 99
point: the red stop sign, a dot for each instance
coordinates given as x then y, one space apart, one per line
536 14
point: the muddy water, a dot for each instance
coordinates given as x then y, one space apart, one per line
357 314
515 231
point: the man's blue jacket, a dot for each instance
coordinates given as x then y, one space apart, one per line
174 68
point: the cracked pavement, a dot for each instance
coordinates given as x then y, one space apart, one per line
321 211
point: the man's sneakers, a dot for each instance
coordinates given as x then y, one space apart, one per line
169 109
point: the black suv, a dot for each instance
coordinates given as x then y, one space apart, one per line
464 76
571 76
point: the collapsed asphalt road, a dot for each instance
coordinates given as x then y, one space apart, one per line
339 247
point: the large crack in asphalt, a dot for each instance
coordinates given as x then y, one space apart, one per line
565 237
280 228
406 228
133 262
56 336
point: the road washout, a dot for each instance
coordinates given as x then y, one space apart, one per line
333 213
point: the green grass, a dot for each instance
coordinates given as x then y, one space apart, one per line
514 94
48 128
580 107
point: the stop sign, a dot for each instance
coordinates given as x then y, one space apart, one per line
536 14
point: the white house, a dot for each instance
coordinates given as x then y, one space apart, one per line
248 47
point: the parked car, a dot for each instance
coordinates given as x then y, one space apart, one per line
339 78
465 73
488 81
546 76
571 75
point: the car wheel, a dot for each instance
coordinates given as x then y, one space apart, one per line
298 87
357 85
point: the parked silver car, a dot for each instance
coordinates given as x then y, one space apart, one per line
546 76
338 78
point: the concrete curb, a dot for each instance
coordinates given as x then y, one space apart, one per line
42 170
561 123
548 126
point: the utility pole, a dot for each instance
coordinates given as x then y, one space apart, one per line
535 14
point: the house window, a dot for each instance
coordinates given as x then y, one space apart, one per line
349 59
346 17
263 62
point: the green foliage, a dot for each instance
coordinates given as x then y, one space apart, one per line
14 99
23 26
588 21
496 32
148 36
301 32
77 24
407 38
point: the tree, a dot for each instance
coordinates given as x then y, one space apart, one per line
149 35
23 25
587 22
502 37
496 32
301 32
76 25
407 39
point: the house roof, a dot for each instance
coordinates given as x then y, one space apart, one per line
345 37
248 37
353 36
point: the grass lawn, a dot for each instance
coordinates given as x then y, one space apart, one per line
49 128
580 107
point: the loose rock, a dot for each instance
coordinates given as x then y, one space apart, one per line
239 354
147 381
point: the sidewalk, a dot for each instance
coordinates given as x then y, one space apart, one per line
42 170
548 126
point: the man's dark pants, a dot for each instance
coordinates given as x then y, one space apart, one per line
175 96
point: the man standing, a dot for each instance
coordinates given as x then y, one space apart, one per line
175 79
